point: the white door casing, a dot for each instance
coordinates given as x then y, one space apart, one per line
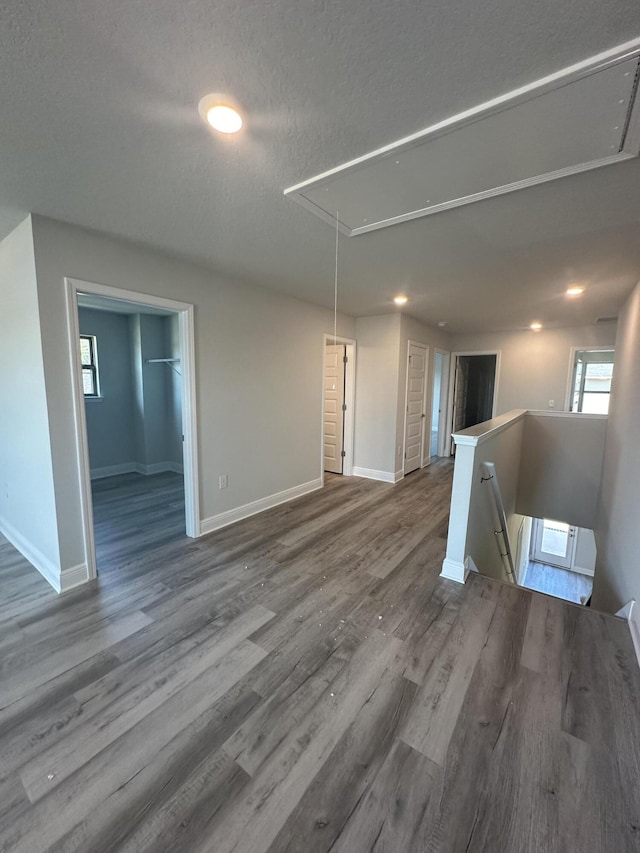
333 415
415 409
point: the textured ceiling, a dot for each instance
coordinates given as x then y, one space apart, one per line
99 127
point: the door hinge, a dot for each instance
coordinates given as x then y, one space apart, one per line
343 453
345 358
344 407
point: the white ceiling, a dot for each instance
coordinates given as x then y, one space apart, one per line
99 127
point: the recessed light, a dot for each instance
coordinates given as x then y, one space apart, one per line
535 327
442 323
574 290
400 300
224 119
221 112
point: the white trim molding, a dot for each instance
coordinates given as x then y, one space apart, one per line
113 470
382 476
231 516
631 612
47 568
135 468
74 576
627 148
453 570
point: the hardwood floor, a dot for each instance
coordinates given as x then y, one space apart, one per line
304 681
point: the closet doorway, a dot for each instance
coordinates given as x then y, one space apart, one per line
134 400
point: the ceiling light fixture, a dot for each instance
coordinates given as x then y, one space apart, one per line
224 119
536 326
400 300
221 112
442 323
574 290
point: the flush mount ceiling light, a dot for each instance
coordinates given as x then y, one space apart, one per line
400 300
442 323
220 114
536 326
574 290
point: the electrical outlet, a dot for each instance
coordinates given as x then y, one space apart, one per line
223 481
552 404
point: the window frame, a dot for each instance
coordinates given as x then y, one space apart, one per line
93 366
572 375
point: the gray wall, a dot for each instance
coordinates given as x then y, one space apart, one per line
110 419
155 394
535 365
378 342
174 392
381 386
617 578
258 366
136 421
27 506
561 467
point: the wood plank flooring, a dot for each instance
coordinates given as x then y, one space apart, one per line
304 682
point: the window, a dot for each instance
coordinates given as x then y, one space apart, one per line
89 360
592 375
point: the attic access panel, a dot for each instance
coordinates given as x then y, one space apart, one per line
578 119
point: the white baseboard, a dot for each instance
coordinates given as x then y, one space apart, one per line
158 468
47 568
631 612
634 627
73 577
135 468
224 519
382 476
113 470
454 570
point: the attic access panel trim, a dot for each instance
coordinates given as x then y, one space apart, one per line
589 114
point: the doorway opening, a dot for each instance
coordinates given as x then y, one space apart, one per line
415 413
473 392
338 405
134 399
439 403
556 558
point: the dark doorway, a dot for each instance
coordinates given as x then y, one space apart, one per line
474 388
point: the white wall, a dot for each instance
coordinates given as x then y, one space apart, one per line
561 467
258 366
617 578
110 418
535 365
27 506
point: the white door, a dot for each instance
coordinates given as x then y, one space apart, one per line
415 417
333 419
554 543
